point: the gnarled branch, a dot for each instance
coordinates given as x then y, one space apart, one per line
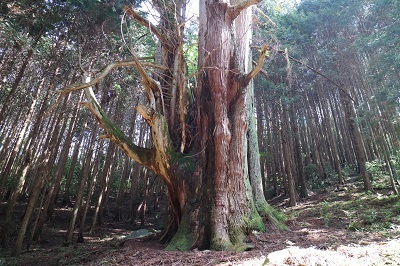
268 18
235 10
103 73
114 133
144 22
257 68
163 147
151 86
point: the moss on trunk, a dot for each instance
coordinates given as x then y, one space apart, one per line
184 238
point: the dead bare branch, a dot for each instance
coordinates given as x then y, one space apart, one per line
53 106
103 73
264 15
339 86
113 132
257 68
235 10
149 83
262 71
144 22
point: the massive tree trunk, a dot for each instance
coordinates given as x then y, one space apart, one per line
209 191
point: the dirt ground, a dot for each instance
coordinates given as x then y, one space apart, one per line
310 240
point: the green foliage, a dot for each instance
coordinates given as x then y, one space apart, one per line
369 216
396 207
356 211
255 223
310 171
376 167
354 226
117 88
384 40
190 50
325 212
276 217
370 213
77 171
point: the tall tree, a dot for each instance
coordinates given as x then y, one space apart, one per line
205 169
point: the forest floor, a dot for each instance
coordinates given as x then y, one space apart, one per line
346 227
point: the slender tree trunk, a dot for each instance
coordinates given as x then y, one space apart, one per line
136 174
297 153
94 172
74 159
286 143
143 205
343 132
17 147
7 223
8 138
385 151
314 136
297 162
389 167
36 189
41 176
53 191
125 174
357 140
135 177
81 190
105 178
122 189
253 156
19 76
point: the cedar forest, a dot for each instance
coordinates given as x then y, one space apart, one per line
140 125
